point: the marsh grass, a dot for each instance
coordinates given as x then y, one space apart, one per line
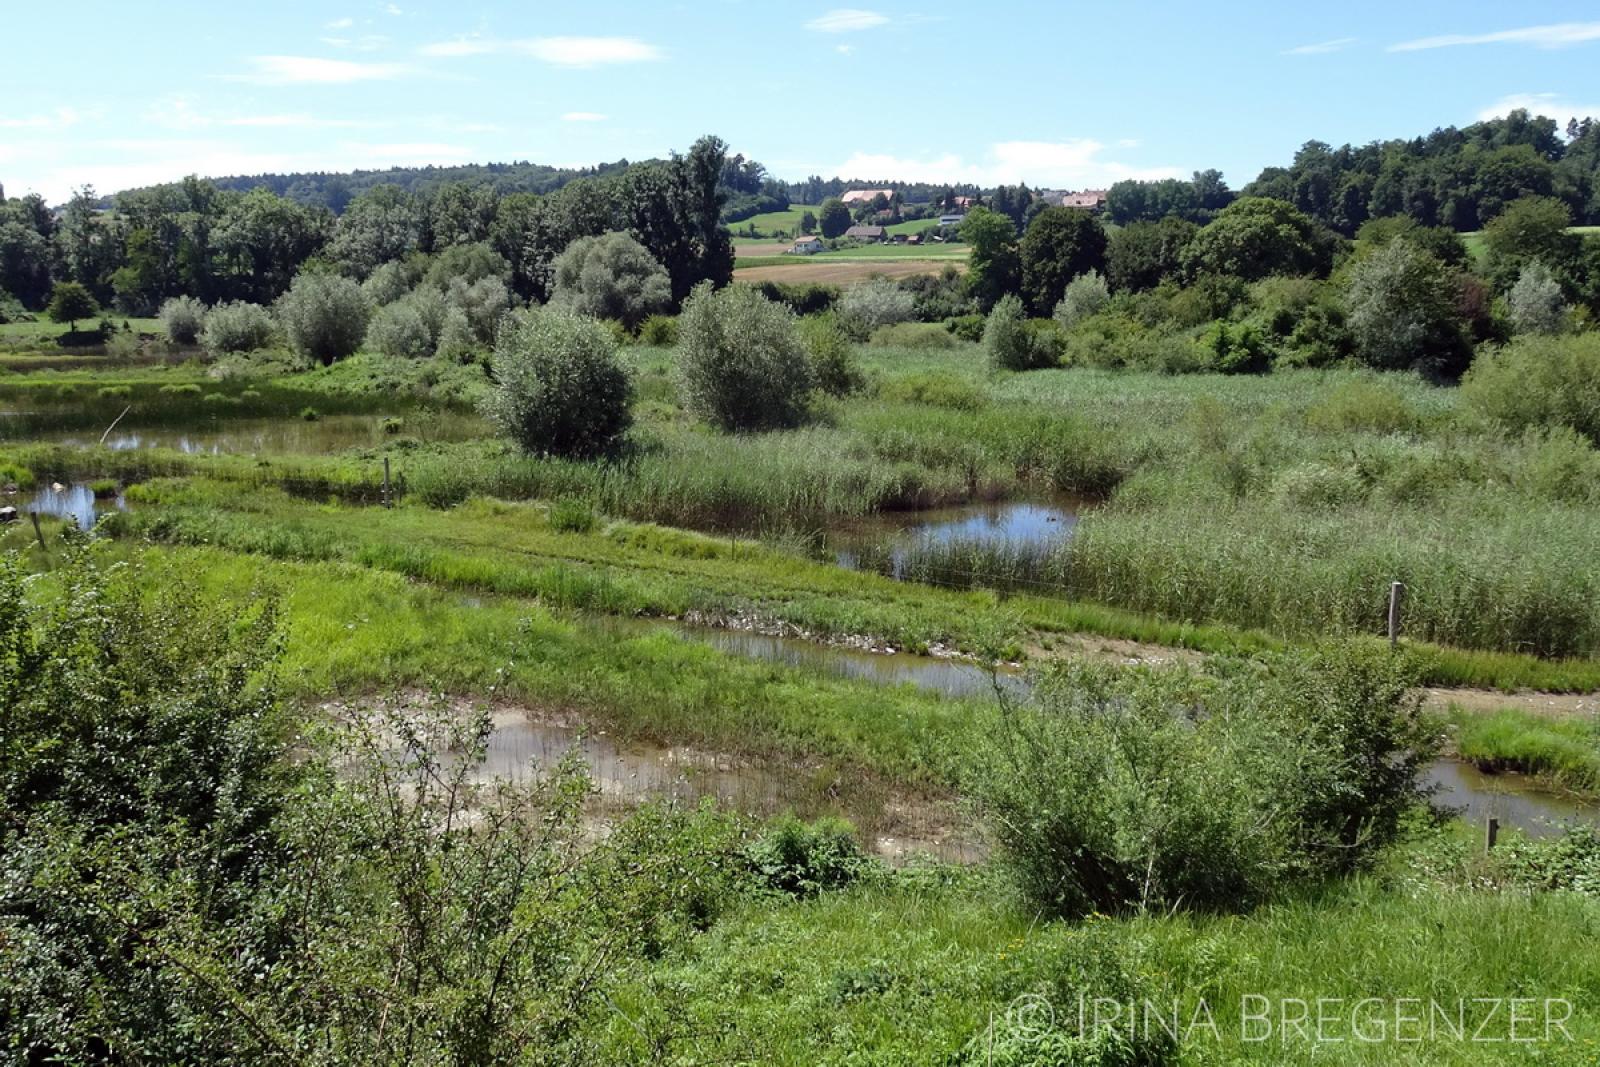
1563 752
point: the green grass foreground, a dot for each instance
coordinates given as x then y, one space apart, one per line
924 972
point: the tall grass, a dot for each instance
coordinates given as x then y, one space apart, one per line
1562 752
1515 578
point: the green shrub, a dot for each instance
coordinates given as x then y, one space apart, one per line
17 475
1568 862
966 327
559 387
1160 789
833 358
573 515
1085 295
611 277
185 389
934 390
802 299
1536 304
182 318
924 336
1404 312
872 304
114 392
1538 381
742 362
401 330
122 344
659 331
237 327
310 415
1006 337
324 316
1362 405
803 859
1236 348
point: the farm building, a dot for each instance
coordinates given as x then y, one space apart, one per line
807 246
866 196
950 220
1089 200
866 233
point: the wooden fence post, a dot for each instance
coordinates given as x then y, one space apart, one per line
388 501
1396 590
1494 832
37 532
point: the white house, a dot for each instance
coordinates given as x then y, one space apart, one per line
807 246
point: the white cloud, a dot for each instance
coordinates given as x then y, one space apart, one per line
368 43
1557 35
340 24
393 9
583 116
59 119
1322 47
1551 105
844 49
557 51
1077 163
847 20
180 114
306 70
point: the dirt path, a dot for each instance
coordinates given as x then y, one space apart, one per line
1485 701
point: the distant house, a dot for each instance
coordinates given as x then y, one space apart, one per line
866 196
914 239
950 220
807 246
866 233
1088 200
966 203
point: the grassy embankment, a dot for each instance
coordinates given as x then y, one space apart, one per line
1284 505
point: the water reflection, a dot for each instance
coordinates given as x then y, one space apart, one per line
76 502
333 433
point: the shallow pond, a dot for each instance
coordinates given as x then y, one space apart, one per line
629 773
329 434
1511 798
884 542
69 502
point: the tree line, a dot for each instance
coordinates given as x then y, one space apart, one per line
199 239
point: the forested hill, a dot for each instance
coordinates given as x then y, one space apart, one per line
335 190
1456 178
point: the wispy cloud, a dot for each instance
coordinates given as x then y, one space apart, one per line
847 20
1556 35
370 42
307 70
340 24
1068 164
1550 105
583 116
1322 47
59 119
180 114
557 51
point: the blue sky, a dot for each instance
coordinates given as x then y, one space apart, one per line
1058 94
